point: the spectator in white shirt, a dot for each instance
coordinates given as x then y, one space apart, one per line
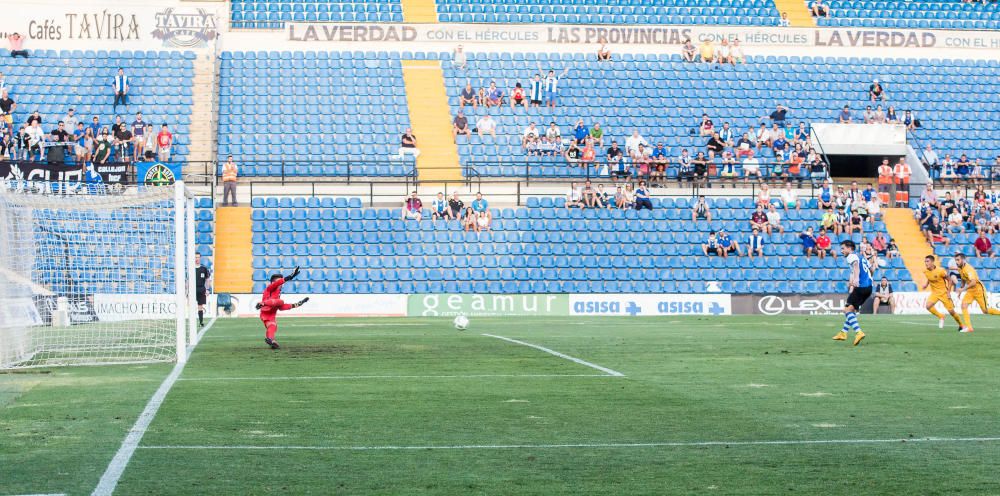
70 120
530 132
486 125
723 55
458 58
736 52
632 142
751 167
35 139
774 220
790 199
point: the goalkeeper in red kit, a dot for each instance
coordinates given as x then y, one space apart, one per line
271 303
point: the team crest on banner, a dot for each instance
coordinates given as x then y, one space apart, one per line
157 173
185 30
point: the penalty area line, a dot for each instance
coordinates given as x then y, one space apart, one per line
106 486
672 444
358 377
560 355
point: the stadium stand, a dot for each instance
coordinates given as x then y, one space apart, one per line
733 12
329 108
52 81
663 98
940 14
538 248
270 14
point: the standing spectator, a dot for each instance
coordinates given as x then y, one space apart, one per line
883 296
468 96
7 148
902 173
95 127
456 205
755 244
229 176
149 147
121 87
707 51
486 125
17 46
458 58
784 21
7 108
37 117
808 242
164 141
102 147
819 9
407 144
875 91
79 133
773 221
440 208
886 178
700 211
552 87
412 207
460 126
845 115
688 51
138 136
536 91
984 247
642 199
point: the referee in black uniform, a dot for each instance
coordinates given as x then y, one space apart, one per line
201 276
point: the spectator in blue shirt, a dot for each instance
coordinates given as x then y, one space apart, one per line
479 204
440 208
808 242
779 145
755 244
728 244
95 127
845 115
580 132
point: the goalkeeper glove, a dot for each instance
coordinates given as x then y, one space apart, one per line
301 302
291 276
258 306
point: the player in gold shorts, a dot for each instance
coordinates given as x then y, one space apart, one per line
974 291
940 285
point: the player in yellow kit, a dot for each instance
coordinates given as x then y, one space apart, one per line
974 291
940 284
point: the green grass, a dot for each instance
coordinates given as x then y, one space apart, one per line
687 380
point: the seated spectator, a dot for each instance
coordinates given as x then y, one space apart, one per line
700 211
778 115
727 244
707 51
580 133
711 246
808 242
700 169
706 128
948 167
460 126
824 245
604 199
483 221
755 244
883 296
530 133
469 220
762 136
764 196
744 146
869 115
819 9
17 46
659 155
726 134
572 154
856 223
773 221
789 198
715 145
935 233
7 148
984 247
963 166
751 168
890 115
486 125
723 55
875 91
412 207
736 52
892 251
640 161
494 95
684 168
407 145
458 58
603 53
879 117
784 21
597 134
758 219
589 195
874 207
845 115
831 221
482 209
574 197
802 135
632 142
642 199
456 205
910 121
688 51
518 96
627 199
531 146
728 166
440 208
468 96
880 244
616 161
588 155
779 145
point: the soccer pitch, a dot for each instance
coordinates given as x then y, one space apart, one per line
572 405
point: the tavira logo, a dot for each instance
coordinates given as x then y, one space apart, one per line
185 30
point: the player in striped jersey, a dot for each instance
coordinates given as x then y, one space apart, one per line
859 287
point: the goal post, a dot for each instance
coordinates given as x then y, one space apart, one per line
90 279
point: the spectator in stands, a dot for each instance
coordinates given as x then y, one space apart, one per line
726 134
736 52
633 142
962 166
605 200
229 176
778 115
659 156
84 144
70 120
552 134
723 54
640 162
494 95
486 125
588 155
628 197
580 133
700 211
121 87
530 133
869 115
744 146
711 246
706 128
883 296
122 138
755 244
808 242
779 145
819 9
458 58
845 115
413 207
715 145
758 219
518 96
456 205
407 144
440 208
138 134
572 154
468 96
102 147
165 141
700 169
910 121
149 147
17 46
59 139
603 53
95 127
588 195
876 91
935 233
789 198
880 244
597 134
642 199
886 177
34 117
955 221
688 51
802 135
535 88
728 244
856 223
784 22
890 115
764 196
831 221
7 148
874 207
574 197
902 173
616 160
751 168
3 82
469 220
879 116
984 247
552 87
707 51
728 170
484 217
460 126
773 221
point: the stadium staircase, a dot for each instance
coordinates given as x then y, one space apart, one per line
798 13
419 10
913 247
204 108
430 118
233 250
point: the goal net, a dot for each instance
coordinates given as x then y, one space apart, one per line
88 279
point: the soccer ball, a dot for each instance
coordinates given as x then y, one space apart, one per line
461 322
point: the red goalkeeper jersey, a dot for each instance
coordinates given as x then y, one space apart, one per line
271 292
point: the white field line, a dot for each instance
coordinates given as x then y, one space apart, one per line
357 377
677 444
42 494
356 324
106 486
560 355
